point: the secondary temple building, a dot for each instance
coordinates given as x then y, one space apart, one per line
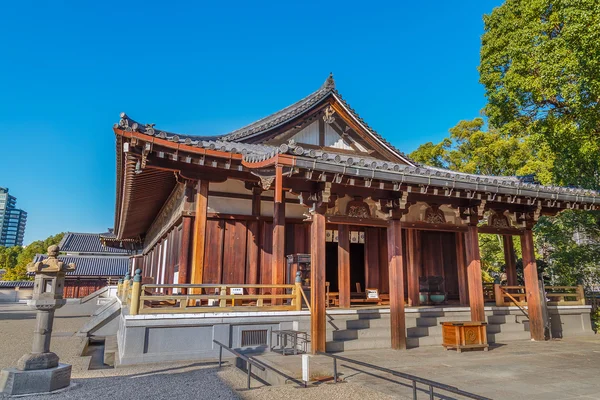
312 182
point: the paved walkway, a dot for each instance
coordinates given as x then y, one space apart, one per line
565 369
559 369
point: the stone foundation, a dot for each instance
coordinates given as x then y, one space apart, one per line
17 382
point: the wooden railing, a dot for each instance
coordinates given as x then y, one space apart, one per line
488 292
192 298
557 295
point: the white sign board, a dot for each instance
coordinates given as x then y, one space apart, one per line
236 290
372 294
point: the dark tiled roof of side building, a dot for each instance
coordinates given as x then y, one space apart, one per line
74 242
14 284
93 266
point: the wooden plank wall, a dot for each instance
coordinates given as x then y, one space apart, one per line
240 251
438 258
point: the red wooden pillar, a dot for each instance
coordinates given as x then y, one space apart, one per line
184 249
199 233
461 264
344 265
317 283
474 274
510 261
413 245
396 278
534 304
278 258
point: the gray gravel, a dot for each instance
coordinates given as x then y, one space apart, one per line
181 381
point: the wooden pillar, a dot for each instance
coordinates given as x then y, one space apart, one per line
461 264
534 304
396 278
317 283
278 258
344 265
510 260
474 274
199 233
413 245
184 249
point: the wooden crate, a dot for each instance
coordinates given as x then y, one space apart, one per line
461 335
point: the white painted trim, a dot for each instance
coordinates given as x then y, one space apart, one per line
368 131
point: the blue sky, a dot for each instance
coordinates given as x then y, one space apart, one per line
68 68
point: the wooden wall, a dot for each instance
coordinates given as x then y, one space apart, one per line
240 251
439 258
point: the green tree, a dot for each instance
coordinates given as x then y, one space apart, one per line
8 256
540 65
471 149
27 254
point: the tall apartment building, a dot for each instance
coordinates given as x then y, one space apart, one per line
12 220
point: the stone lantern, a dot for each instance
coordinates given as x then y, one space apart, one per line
40 371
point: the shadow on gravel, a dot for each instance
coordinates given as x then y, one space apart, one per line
191 381
4 316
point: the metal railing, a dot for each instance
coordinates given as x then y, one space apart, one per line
249 362
431 385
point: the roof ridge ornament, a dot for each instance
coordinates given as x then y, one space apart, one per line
329 82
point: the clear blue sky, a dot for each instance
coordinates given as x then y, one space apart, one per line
68 68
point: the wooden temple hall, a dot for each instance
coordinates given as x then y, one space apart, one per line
309 210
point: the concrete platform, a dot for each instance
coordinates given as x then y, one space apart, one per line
558 369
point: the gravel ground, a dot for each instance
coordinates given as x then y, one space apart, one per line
189 380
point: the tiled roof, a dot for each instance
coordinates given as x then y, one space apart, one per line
13 284
86 243
233 139
93 266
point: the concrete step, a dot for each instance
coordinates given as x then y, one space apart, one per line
363 323
110 350
508 327
357 344
412 342
427 321
424 331
349 334
508 336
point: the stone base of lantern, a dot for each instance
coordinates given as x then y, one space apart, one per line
16 382
33 361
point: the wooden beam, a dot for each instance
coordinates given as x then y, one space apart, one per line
474 275
510 260
396 278
534 304
199 233
461 266
344 265
317 283
278 259
413 244
321 132
184 249
426 226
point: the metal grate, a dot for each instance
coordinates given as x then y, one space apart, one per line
254 338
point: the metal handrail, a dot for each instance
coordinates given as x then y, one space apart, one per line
414 379
249 362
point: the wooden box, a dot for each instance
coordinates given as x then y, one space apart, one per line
464 335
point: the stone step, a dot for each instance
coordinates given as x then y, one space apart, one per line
420 331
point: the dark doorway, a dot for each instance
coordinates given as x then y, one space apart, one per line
331 265
357 266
